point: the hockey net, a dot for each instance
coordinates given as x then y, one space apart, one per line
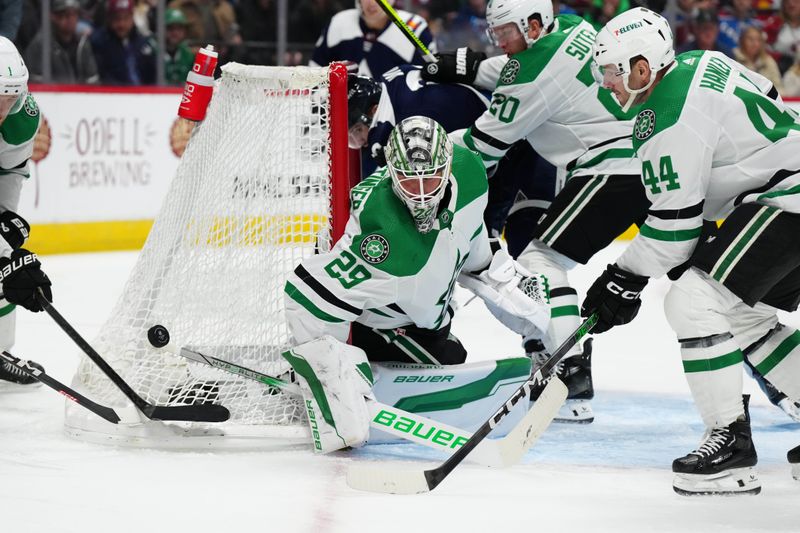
263 182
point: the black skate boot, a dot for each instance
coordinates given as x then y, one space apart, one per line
12 374
794 459
576 373
722 464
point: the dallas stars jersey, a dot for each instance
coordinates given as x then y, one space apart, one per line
711 136
16 138
547 93
385 274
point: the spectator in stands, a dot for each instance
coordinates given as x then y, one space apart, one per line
10 18
732 20
365 36
258 31
144 16
791 80
71 57
30 23
680 14
123 55
468 28
601 11
308 18
178 58
752 53
786 42
210 21
705 30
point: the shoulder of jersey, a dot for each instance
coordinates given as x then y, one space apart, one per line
21 127
470 174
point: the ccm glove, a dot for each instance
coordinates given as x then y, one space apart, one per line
614 296
21 276
14 229
460 66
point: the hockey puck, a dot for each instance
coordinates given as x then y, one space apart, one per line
158 336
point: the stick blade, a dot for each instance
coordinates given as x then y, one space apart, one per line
528 430
371 478
190 413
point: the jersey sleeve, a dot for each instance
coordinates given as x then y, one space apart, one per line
18 132
489 72
322 53
676 167
327 292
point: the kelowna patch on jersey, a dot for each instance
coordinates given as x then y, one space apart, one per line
374 249
30 106
510 71
645 124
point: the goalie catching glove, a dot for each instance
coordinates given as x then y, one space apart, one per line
335 379
459 67
21 276
512 294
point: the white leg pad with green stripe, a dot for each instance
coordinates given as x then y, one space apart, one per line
778 359
8 325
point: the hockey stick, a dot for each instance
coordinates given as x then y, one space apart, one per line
410 35
114 416
409 426
393 481
188 413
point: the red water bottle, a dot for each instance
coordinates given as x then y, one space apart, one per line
199 85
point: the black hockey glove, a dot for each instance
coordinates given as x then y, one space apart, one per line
460 66
21 276
14 229
615 298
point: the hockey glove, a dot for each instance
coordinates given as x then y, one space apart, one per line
615 298
21 276
14 229
460 66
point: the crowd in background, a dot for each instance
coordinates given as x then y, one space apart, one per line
112 41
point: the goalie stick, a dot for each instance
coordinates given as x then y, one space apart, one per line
416 481
187 413
115 416
501 452
410 35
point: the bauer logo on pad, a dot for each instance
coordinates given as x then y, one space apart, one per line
374 249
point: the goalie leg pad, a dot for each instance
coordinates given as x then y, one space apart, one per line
335 379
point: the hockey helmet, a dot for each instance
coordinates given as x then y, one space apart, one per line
418 156
500 12
13 74
634 33
362 93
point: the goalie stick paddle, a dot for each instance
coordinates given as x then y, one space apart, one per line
187 413
107 413
415 481
410 35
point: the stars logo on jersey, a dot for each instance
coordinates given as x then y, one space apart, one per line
374 249
30 106
510 71
645 124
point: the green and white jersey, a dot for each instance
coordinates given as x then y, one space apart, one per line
548 95
385 274
16 138
712 135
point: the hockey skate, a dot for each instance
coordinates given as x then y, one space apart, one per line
722 464
794 459
576 373
12 377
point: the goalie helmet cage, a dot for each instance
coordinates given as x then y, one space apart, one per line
263 182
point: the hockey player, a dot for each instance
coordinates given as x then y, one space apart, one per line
416 227
715 141
20 270
545 93
367 37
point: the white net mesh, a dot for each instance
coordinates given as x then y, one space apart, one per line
250 198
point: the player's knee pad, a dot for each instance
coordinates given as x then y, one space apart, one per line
749 324
694 307
539 257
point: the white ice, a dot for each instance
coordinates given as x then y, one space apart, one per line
613 475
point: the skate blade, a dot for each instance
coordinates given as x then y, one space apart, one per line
733 482
575 412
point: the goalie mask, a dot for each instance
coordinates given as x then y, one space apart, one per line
635 33
418 156
13 79
500 12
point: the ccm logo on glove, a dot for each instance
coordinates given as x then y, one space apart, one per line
621 291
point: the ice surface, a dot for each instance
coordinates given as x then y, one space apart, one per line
612 475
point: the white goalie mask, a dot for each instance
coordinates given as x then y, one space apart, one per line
500 12
13 74
418 157
635 33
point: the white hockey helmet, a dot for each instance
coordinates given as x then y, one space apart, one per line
500 12
634 33
13 73
418 149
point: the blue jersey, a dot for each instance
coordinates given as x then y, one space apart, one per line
347 38
406 94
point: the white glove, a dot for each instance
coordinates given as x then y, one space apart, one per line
512 294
